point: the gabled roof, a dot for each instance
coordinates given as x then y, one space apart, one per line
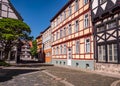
16 12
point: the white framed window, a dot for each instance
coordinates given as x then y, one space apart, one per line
70 10
76 5
61 32
61 48
85 2
112 52
57 50
87 45
77 26
56 35
65 49
77 45
101 53
86 20
69 29
64 32
64 15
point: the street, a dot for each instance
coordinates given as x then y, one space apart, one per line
51 76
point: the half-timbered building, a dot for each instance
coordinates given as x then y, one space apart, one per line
72 40
7 10
106 22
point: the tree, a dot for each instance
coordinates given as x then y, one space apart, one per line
34 48
11 31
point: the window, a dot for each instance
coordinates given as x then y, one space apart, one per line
53 51
56 35
100 28
86 21
76 26
61 49
87 45
77 47
64 33
85 1
57 51
60 17
64 15
69 29
61 33
111 25
76 5
102 1
70 10
101 53
65 49
112 52
53 37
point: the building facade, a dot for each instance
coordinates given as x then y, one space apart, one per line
40 48
47 44
106 22
72 40
25 50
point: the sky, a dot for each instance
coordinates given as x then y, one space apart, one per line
38 13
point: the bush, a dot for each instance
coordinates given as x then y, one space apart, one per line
2 63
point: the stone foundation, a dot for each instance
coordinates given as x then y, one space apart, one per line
109 68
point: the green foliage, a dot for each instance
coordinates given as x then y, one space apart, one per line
11 31
34 48
2 63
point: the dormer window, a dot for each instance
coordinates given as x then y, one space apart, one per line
102 1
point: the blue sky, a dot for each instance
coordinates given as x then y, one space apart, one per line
38 13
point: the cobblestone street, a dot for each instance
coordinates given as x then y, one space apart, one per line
53 76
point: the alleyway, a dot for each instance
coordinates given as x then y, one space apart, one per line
51 76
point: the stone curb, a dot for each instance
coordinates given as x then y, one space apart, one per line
59 79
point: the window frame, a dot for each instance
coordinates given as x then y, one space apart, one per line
86 45
86 20
76 25
77 47
76 5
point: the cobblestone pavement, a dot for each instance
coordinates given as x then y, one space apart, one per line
80 78
40 78
31 79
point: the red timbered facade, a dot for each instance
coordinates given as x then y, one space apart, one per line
72 40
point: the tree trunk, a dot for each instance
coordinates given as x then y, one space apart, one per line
9 54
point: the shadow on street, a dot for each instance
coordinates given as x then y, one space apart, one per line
7 74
